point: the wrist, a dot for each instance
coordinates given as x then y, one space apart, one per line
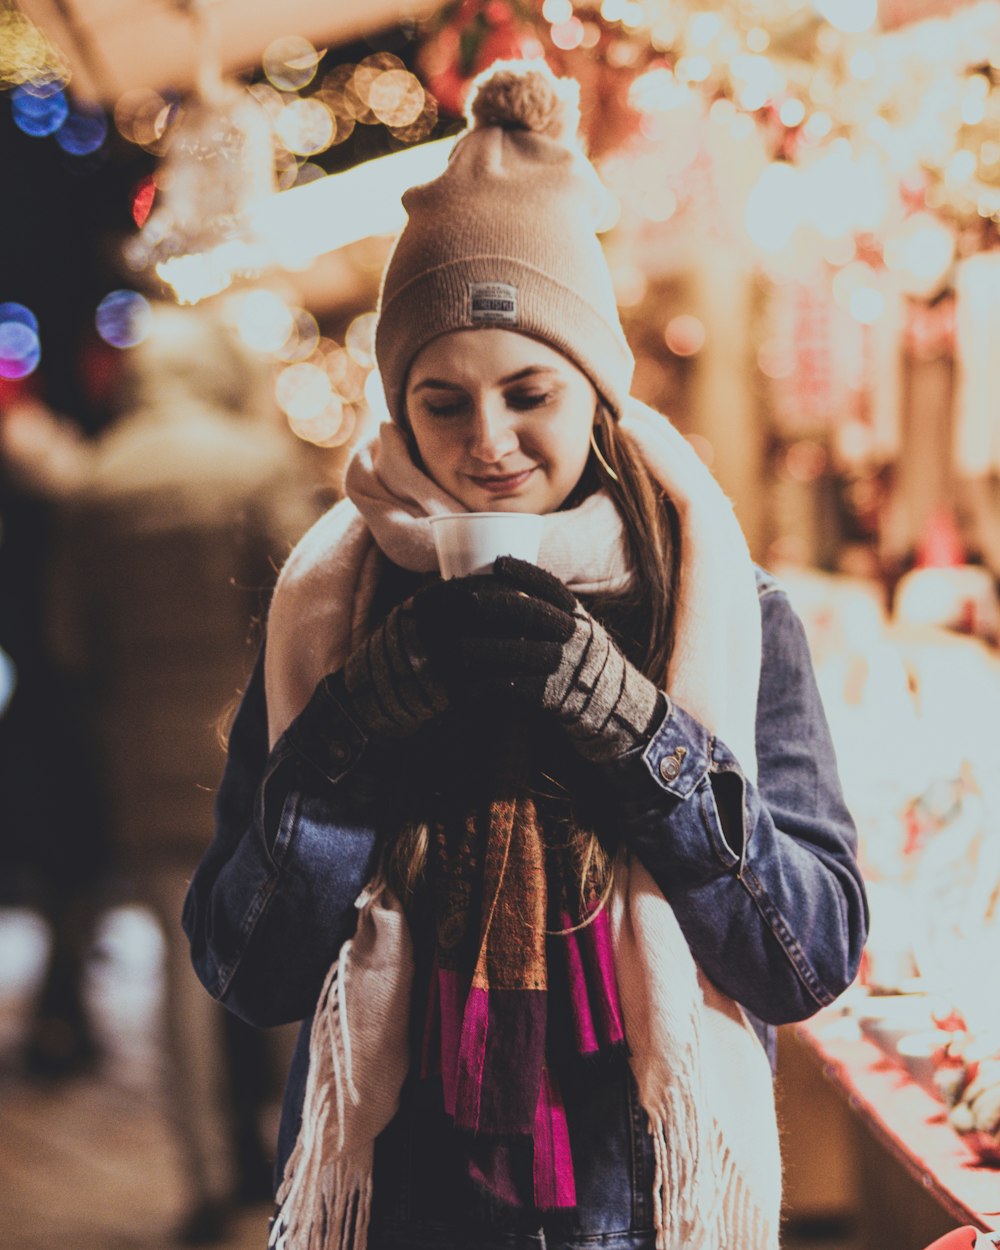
628 728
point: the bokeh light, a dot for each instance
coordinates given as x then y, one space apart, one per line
305 127
367 74
806 461
20 349
263 321
347 377
8 680
567 35
38 109
792 112
684 335
83 132
360 339
123 318
338 93
303 338
304 392
396 98
557 11
418 130
19 314
144 117
290 62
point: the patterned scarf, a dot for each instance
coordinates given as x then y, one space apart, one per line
521 940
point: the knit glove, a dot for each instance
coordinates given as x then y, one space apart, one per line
393 685
521 632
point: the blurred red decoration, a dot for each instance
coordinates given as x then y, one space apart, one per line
142 200
929 331
941 544
470 35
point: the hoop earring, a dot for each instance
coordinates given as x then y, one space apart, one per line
599 454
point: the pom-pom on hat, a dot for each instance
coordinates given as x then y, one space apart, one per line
506 237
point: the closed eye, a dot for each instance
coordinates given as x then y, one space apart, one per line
454 409
524 401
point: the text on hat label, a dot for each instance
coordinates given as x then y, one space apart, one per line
492 303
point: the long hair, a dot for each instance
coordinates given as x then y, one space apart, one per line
652 538
653 555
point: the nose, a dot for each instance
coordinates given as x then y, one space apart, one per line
493 434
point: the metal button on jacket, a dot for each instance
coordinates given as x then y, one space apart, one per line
670 765
340 752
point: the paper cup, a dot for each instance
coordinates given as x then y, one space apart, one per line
469 542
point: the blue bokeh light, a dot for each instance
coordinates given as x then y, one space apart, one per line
38 109
123 318
20 350
8 680
83 132
18 313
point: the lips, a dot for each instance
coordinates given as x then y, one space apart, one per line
503 484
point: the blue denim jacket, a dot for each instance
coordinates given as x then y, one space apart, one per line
763 879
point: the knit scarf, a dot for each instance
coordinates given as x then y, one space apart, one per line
702 1076
522 943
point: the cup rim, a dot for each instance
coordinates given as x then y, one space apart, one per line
472 516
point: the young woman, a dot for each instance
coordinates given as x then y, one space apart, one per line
540 856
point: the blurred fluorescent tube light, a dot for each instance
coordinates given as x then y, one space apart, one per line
290 229
332 212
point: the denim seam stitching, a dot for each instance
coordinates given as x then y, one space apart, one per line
791 948
263 895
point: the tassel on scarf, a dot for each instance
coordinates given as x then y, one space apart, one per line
712 1185
363 1009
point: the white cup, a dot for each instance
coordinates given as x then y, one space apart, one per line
469 542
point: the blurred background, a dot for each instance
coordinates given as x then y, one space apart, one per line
197 200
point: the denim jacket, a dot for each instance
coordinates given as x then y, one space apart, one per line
763 879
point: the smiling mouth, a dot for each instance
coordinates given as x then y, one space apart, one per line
499 483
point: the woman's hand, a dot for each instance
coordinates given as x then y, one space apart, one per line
393 684
521 632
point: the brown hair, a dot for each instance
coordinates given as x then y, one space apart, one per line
652 538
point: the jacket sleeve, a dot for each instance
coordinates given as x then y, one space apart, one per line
272 900
763 878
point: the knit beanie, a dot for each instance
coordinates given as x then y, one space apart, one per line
506 237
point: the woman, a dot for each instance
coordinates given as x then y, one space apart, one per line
516 845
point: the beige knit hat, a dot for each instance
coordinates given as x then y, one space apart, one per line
506 237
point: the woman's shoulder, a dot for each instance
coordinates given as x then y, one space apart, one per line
327 543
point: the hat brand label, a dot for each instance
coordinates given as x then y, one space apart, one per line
492 303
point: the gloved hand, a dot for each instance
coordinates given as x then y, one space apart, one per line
521 632
393 683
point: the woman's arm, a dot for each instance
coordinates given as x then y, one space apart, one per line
764 879
272 900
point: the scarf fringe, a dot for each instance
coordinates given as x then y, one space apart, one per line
329 1210
325 1196
325 1206
687 1177
703 1208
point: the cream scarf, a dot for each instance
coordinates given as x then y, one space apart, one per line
703 1078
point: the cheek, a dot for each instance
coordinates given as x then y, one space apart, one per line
571 446
437 452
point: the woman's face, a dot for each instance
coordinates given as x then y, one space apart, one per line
501 421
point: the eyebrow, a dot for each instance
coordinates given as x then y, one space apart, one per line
442 384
